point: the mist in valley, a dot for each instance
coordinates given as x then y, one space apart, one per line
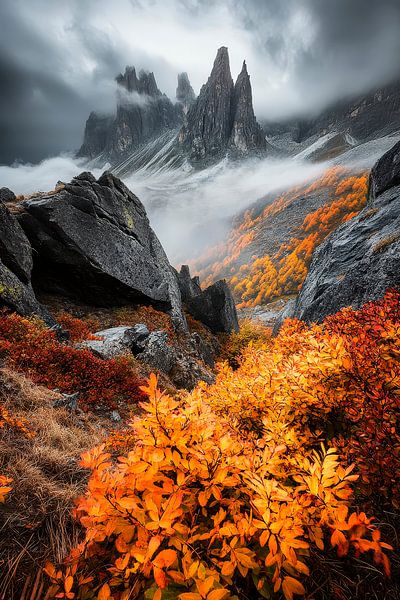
189 209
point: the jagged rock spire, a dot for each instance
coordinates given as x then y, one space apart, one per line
184 91
144 84
246 133
222 116
209 119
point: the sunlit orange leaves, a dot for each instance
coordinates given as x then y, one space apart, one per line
235 485
5 488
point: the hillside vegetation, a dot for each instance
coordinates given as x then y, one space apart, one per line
262 277
249 487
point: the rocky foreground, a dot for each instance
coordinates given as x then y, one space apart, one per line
90 241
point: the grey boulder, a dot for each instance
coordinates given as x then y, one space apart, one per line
157 353
93 241
214 306
114 341
16 264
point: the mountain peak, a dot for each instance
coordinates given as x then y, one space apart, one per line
144 84
246 134
222 116
184 92
221 68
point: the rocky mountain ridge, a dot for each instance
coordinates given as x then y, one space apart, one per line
360 118
221 119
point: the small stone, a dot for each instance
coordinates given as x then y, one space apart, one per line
115 416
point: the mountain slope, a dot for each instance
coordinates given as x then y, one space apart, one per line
361 259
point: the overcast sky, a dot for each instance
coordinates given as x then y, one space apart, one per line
58 59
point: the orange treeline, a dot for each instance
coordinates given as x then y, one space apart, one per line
265 278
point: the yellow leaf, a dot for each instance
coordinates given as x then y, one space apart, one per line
292 586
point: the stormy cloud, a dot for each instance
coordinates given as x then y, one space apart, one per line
58 60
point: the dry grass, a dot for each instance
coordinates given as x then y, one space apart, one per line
369 213
385 242
36 522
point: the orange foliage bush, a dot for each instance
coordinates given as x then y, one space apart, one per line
5 488
229 488
33 349
250 332
78 329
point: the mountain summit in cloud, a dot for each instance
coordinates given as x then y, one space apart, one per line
220 120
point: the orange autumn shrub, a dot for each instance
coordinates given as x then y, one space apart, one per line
340 379
5 488
230 489
33 349
250 332
77 329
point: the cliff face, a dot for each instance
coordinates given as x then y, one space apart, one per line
184 92
365 117
361 259
246 133
96 134
142 113
222 117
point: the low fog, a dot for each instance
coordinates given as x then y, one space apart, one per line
188 209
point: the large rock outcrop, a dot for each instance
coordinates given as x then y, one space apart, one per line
361 259
222 116
16 264
214 306
143 112
93 241
246 134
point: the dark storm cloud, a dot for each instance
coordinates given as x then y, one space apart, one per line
343 46
58 60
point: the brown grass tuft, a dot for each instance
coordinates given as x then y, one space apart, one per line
36 522
382 244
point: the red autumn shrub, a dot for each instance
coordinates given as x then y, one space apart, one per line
33 349
78 330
